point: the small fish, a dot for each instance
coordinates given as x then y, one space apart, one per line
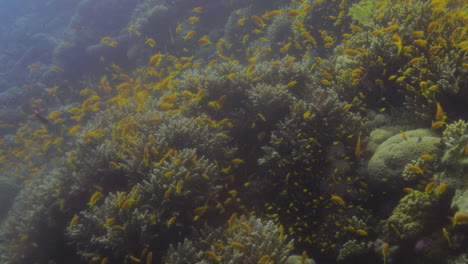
155 60
204 41
259 21
193 20
337 199
427 157
189 35
57 68
73 221
385 248
429 187
109 222
361 232
237 245
416 169
437 124
350 52
420 42
34 66
396 230
241 21
272 14
171 221
151 42
293 13
114 44
106 39
397 42
212 256
441 189
460 219
135 259
263 259
178 29
127 203
237 161
357 151
94 199
439 113
403 134
447 236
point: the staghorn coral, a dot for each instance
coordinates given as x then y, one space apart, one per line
155 208
243 240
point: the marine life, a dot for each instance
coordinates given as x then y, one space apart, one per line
94 198
253 123
447 236
385 248
415 169
151 42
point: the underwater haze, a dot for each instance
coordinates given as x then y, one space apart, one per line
233 131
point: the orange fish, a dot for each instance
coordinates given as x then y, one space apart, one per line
193 20
259 21
271 14
385 248
439 113
34 66
293 13
189 35
416 169
437 124
357 152
204 41
151 42
178 29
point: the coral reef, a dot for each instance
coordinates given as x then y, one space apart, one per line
243 240
412 215
251 112
388 163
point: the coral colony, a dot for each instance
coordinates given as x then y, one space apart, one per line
261 132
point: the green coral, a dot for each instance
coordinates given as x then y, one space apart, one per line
244 240
411 216
363 11
455 139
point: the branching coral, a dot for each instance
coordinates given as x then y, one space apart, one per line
244 240
163 203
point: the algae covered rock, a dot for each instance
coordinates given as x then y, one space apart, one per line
391 157
412 214
455 163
